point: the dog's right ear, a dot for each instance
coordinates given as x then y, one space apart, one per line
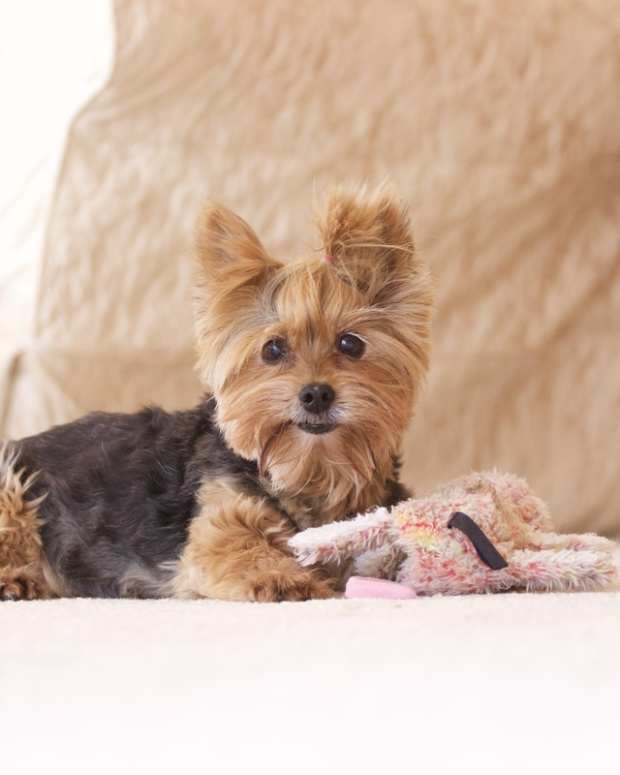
230 255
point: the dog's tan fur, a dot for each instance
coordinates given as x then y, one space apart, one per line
21 560
367 279
237 551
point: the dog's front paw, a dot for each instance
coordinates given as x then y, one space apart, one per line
18 589
275 585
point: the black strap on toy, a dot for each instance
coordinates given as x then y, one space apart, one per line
480 541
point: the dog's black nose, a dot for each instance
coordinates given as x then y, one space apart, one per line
316 398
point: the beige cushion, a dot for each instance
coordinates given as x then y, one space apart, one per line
498 122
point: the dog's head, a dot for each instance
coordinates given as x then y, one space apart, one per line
315 364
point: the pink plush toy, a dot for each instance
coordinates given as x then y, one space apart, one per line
481 533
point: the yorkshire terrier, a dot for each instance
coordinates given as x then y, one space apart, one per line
312 369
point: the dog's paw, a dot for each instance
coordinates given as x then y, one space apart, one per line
18 589
273 586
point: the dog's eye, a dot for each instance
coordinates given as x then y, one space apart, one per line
351 345
274 350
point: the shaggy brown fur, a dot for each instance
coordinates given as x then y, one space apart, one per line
21 561
237 550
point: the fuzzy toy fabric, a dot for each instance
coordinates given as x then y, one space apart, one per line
481 533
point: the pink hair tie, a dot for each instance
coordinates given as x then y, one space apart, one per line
328 258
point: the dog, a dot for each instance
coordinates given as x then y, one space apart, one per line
312 369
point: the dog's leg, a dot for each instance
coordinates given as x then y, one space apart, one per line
237 550
21 565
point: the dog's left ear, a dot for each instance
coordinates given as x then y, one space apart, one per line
367 238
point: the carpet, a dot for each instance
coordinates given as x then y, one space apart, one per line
480 683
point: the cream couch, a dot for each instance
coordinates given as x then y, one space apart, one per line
497 120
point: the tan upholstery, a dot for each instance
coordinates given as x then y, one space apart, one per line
497 120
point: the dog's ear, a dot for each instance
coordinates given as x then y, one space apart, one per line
230 255
232 269
367 238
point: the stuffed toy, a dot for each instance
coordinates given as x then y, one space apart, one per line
482 533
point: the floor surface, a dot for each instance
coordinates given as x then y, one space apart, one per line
515 682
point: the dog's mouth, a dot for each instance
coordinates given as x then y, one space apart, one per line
308 427
316 427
